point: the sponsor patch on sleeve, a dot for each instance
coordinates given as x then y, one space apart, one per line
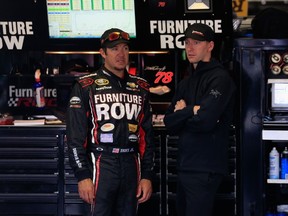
75 102
86 82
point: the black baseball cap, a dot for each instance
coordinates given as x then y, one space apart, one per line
114 36
198 31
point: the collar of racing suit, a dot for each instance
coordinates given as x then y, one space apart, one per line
109 73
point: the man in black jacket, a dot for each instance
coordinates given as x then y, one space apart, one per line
109 133
201 112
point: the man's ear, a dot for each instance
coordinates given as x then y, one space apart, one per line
102 52
211 45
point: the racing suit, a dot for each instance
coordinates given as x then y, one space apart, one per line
110 138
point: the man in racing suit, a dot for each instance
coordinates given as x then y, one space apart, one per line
109 133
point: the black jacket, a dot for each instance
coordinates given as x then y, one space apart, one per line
204 137
105 110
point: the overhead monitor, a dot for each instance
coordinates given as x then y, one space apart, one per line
89 19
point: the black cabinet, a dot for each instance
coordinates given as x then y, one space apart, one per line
154 205
259 63
276 190
225 204
31 174
36 178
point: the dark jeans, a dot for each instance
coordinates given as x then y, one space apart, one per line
196 193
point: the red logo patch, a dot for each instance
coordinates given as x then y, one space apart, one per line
143 84
86 82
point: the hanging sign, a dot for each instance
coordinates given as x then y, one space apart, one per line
240 7
13 34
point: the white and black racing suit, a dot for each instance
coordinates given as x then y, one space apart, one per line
109 134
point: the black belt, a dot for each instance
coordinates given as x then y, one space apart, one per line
114 150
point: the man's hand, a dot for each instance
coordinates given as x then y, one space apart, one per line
181 104
144 190
195 109
86 190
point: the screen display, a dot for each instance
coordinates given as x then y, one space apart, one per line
89 18
279 99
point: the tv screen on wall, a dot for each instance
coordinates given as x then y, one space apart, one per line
89 19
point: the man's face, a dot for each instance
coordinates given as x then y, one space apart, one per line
116 58
198 50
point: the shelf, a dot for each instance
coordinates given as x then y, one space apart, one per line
275 135
277 181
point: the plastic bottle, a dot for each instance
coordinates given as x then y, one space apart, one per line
39 90
284 164
274 164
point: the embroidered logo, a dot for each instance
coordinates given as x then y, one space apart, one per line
198 33
102 82
107 127
215 93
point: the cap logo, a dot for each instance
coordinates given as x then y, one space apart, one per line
197 32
